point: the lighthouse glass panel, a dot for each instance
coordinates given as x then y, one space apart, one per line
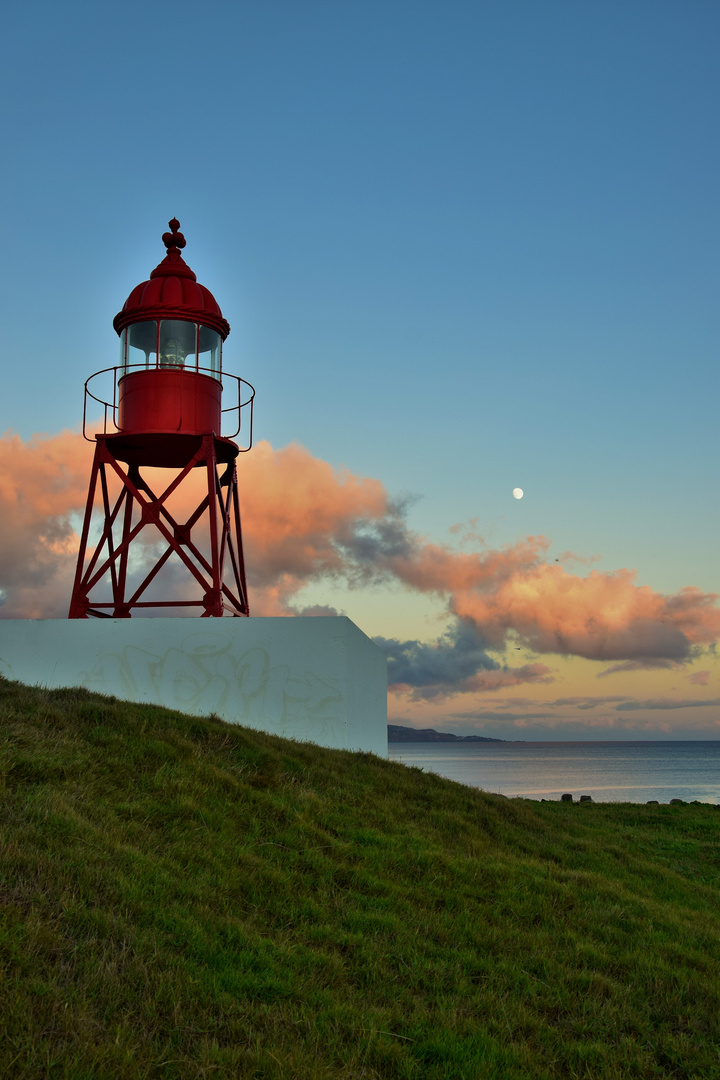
139 345
210 352
178 343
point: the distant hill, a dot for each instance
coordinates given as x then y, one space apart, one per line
398 733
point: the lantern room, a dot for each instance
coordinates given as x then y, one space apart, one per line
171 333
171 343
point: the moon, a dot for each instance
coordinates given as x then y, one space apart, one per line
518 493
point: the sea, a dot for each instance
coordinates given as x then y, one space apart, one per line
634 772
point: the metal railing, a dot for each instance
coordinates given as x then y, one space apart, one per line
110 408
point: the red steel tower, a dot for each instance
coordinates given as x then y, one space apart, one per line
162 420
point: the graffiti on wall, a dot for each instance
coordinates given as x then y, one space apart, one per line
202 676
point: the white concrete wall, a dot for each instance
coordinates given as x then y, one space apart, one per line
317 679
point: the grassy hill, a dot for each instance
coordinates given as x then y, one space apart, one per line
187 898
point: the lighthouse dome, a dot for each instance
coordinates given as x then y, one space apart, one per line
172 292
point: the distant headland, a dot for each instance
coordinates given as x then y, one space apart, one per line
397 733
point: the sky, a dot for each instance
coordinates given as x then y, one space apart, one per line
463 247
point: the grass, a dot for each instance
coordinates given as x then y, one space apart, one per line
187 898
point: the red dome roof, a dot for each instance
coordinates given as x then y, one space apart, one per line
172 292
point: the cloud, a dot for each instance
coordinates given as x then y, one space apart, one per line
667 703
600 617
509 676
483 682
305 521
645 663
316 610
582 560
700 678
302 520
456 656
456 663
613 713
42 482
585 702
513 593
497 714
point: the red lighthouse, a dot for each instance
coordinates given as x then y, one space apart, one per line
158 546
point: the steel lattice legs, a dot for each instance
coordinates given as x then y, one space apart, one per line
107 567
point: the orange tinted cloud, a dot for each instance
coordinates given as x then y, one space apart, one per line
299 514
303 520
41 482
603 616
300 519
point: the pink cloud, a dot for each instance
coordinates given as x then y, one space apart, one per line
513 592
304 520
41 483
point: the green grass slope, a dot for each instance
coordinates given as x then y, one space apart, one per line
186 898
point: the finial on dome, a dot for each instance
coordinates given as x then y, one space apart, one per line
174 239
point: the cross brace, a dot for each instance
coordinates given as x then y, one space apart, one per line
137 507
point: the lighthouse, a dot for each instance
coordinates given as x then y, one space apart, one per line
154 538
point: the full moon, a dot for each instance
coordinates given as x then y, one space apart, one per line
518 493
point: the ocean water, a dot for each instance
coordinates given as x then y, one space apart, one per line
607 771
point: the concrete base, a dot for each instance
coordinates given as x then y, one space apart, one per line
315 679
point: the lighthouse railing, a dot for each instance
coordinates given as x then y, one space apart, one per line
248 403
107 399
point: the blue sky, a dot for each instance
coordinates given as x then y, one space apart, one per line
462 247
